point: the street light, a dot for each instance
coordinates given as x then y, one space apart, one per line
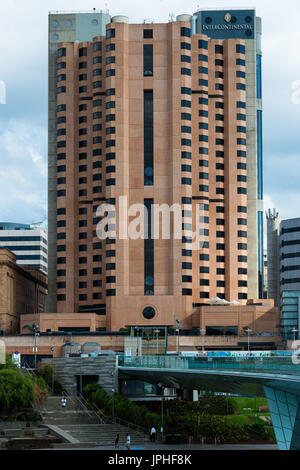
137 340
162 388
35 328
178 332
113 405
248 330
52 349
294 331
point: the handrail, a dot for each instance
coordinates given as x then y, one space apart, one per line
117 420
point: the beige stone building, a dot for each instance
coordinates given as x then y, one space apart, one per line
22 291
148 114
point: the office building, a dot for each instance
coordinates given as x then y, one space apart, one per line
284 271
22 291
27 242
152 114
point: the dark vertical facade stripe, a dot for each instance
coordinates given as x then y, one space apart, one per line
148 138
148 250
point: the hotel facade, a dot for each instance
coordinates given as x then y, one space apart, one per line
154 114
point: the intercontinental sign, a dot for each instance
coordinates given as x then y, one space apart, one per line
229 27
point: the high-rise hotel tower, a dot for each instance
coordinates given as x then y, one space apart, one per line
153 114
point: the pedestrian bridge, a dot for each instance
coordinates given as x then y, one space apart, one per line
276 377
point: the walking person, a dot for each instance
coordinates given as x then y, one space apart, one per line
117 440
128 442
152 434
63 402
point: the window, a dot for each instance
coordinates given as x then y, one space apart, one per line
219 86
185 32
203 57
219 62
186 91
203 151
240 49
240 74
110 47
110 33
97 46
241 190
203 163
82 65
203 101
186 58
202 44
82 51
148 60
219 74
61 52
110 73
202 82
187 181
186 46
148 33
203 188
240 86
185 71
61 89
218 49
240 62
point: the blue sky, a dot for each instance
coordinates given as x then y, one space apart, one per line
23 119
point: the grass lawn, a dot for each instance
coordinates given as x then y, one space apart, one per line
244 402
235 419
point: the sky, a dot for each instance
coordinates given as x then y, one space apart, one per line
23 119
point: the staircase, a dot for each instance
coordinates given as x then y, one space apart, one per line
77 425
74 413
104 434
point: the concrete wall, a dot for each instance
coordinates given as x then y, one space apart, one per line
67 370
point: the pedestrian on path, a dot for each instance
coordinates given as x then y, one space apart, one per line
128 442
117 440
63 402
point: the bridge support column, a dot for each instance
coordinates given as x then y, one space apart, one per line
285 413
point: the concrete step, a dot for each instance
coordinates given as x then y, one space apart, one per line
103 434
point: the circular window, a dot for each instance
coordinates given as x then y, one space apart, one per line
148 313
248 19
233 19
68 23
248 32
55 23
208 20
55 36
94 22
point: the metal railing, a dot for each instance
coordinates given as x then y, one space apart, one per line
116 420
275 365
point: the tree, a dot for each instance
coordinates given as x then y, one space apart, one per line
16 391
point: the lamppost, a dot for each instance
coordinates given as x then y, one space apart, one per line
294 331
162 388
137 340
113 405
35 327
157 332
248 331
52 349
178 333
203 331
